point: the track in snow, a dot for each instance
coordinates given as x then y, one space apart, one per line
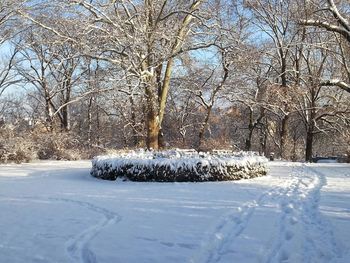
298 202
78 247
300 205
318 231
230 227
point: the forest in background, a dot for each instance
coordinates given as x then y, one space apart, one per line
79 78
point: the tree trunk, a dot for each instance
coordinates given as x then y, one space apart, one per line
152 122
135 136
310 126
248 141
203 129
284 136
308 147
152 129
49 115
98 139
89 132
283 70
179 41
263 140
65 118
161 140
183 137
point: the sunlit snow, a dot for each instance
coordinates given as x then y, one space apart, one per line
56 212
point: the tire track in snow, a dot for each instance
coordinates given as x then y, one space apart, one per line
78 247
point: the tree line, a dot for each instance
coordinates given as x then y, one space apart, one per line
261 75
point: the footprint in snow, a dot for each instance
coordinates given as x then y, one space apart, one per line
188 246
168 244
147 239
289 208
284 256
288 235
293 220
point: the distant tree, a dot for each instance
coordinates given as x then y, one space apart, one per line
8 76
53 71
275 21
6 17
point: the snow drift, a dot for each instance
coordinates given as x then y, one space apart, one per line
179 166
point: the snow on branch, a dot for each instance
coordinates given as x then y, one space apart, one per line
338 83
327 26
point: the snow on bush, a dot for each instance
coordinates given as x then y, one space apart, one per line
179 166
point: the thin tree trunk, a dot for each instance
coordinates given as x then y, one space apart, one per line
65 118
263 140
98 139
133 122
308 147
65 111
89 132
203 129
49 115
248 141
283 70
284 136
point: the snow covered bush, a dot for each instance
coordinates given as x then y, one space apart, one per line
179 166
14 148
59 146
17 154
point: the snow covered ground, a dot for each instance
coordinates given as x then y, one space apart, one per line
56 212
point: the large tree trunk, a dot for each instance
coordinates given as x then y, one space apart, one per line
152 129
152 121
165 86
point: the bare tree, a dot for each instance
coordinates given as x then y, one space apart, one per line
8 77
333 17
254 74
144 37
319 108
275 20
6 17
53 71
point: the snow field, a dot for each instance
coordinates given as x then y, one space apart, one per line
56 212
